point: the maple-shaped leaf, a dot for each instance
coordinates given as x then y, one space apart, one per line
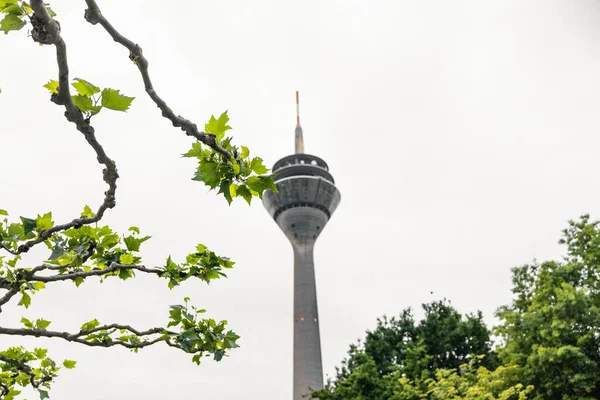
52 86
114 100
218 127
84 88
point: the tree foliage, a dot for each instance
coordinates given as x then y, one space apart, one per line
552 327
84 248
399 347
548 340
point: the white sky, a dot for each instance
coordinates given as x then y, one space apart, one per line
462 136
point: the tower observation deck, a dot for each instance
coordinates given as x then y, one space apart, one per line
306 199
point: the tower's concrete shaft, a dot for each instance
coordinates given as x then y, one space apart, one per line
306 200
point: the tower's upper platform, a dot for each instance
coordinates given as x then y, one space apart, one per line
303 181
306 197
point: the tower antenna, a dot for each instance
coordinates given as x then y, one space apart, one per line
299 136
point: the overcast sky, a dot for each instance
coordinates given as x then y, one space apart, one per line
462 135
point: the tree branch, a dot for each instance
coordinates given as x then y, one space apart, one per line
9 295
77 337
94 16
47 31
14 253
84 274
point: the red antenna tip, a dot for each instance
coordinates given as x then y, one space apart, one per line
297 110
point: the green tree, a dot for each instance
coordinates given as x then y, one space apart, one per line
468 382
549 340
83 247
401 347
552 327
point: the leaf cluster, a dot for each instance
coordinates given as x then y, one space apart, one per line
15 14
199 336
90 99
20 368
79 253
236 176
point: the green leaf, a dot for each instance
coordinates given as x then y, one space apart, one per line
233 190
245 152
39 285
208 172
13 9
11 23
6 3
87 212
22 379
126 259
16 230
3 212
196 151
257 166
43 394
25 300
84 88
41 323
134 229
200 248
27 323
52 86
218 127
28 224
224 189
90 325
243 191
40 353
259 184
44 222
114 100
133 243
26 7
85 104
69 364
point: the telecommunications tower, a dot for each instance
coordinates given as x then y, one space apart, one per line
306 199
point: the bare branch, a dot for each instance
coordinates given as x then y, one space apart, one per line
47 31
94 16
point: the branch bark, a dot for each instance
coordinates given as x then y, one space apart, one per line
83 274
79 336
94 16
47 31
13 290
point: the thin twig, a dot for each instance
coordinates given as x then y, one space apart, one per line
94 16
9 295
